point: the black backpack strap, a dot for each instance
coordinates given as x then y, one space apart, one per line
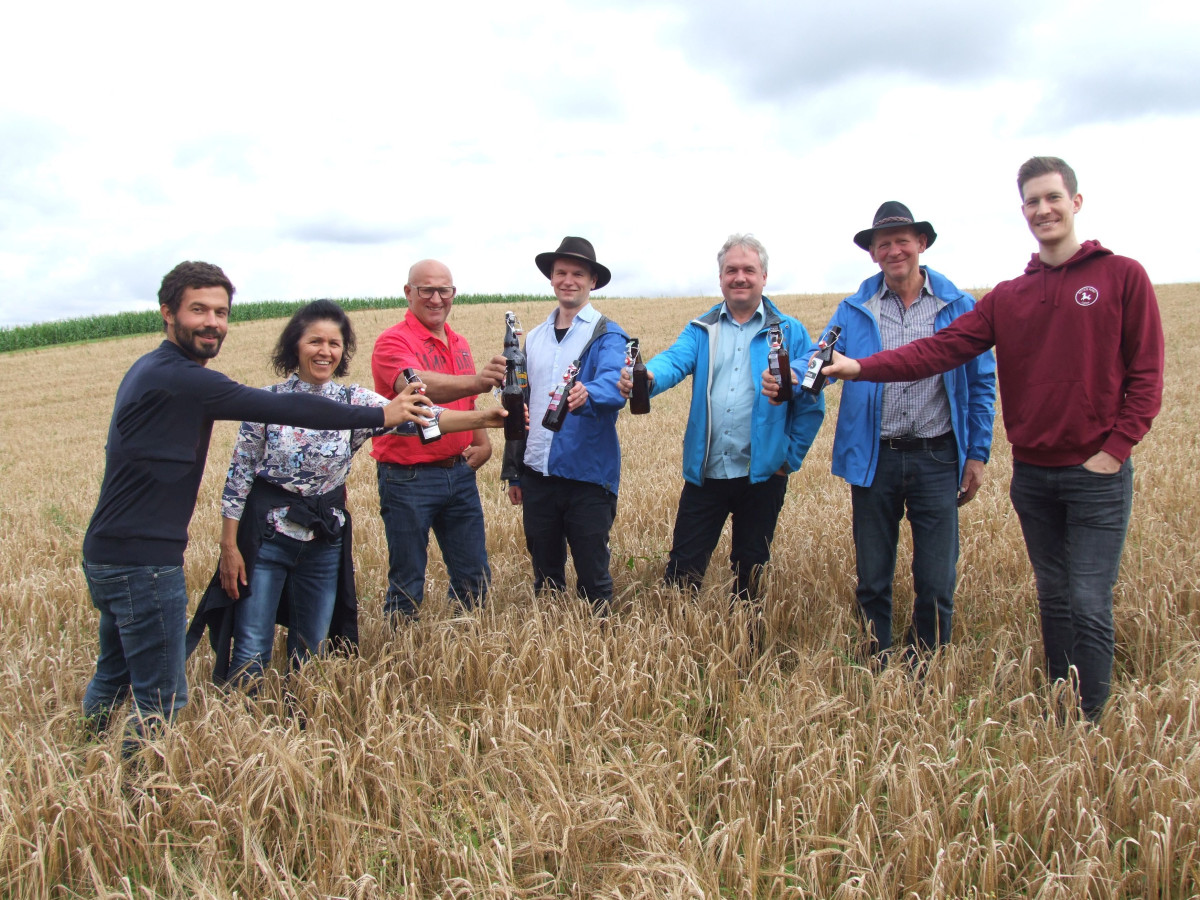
598 330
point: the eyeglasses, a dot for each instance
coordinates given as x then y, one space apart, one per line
446 293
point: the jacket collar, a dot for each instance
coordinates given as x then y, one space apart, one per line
771 315
867 296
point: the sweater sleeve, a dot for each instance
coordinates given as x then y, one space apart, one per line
360 396
223 398
962 340
1142 352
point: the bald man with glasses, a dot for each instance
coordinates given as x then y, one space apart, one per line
432 486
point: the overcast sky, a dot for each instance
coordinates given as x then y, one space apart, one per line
319 149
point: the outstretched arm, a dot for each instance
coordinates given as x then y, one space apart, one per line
441 387
410 405
452 420
843 367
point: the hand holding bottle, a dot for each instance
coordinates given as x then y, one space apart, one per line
770 385
410 405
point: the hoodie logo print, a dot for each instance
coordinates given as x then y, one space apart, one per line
1086 296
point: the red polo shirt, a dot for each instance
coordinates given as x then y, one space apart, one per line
409 343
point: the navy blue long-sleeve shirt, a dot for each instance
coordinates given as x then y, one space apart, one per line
158 443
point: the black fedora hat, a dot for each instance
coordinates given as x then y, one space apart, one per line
894 214
579 248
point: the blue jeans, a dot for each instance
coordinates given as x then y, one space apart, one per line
558 512
308 571
414 499
701 518
923 484
1074 522
143 619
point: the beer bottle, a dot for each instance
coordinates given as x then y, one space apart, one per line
512 350
639 398
780 363
427 433
814 378
556 412
512 398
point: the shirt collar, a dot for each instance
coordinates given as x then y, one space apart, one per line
724 314
419 327
884 291
587 314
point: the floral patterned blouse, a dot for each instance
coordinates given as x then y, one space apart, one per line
306 461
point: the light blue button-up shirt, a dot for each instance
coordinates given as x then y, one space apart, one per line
731 397
546 359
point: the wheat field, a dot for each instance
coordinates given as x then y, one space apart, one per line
530 750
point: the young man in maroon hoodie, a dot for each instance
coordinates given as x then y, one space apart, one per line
1079 354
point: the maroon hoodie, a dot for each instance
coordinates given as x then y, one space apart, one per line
1079 356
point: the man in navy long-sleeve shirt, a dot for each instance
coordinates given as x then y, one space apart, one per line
154 460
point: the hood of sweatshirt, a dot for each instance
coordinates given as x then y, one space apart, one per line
1052 276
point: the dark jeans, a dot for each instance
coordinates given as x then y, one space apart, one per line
414 499
925 484
702 514
309 571
562 512
1074 522
143 618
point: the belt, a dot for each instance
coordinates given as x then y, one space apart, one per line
448 463
915 443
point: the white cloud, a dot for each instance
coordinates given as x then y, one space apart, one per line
318 152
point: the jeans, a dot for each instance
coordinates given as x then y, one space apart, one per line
308 571
701 517
923 484
1074 522
414 499
558 512
143 619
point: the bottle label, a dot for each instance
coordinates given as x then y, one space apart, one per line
814 369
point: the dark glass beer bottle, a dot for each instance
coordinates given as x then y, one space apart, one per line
556 412
512 398
639 398
780 364
512 350
814 378
427 433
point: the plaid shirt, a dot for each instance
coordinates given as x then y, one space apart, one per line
911 408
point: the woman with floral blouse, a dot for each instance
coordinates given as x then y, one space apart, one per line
286 533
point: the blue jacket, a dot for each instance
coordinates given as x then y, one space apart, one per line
780 435
586 449
971 388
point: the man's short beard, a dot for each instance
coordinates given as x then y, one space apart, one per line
186 338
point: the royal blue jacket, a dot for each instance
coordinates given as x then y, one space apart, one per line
779 435
586 449
971 388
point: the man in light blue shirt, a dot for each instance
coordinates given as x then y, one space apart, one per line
738 448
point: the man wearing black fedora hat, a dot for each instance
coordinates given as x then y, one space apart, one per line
1079 344
915 447
566 481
